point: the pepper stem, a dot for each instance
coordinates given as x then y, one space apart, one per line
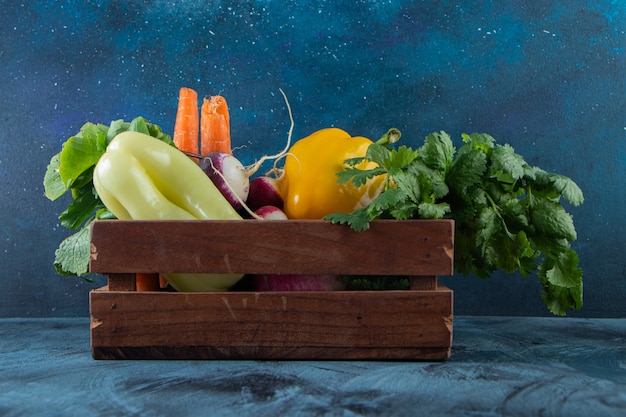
389 138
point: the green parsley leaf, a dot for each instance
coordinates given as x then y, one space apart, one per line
408 183
375 283
357 176
433 210
478 141
430 181
507 213
564 270
505 161
467 171
378 154
437 152
562 283
552 220
488 226
387 199
401 157
358 220
568 188
555 186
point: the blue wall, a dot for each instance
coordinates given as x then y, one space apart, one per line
545 76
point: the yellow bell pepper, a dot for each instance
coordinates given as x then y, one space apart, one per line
309 184
142 178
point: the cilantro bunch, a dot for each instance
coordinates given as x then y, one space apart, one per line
508 215
72 170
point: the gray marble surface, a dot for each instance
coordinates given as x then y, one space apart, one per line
505 366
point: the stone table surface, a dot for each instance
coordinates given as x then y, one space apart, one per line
500 366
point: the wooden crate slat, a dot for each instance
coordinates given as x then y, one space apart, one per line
413 247
273 322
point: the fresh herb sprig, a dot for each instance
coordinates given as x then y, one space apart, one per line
375 283
72 170
508 214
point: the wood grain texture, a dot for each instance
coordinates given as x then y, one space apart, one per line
122 282
381 325
259 353
273 325
413 247
423 282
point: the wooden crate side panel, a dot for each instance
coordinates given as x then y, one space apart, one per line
415 247
273 321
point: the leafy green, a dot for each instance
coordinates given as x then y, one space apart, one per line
69 257
81 209
508 214
437 151
403 191
53 184
375 283
72 170
81 152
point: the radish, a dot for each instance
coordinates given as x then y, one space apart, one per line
233 179
229 176
264 192
273 282
270 213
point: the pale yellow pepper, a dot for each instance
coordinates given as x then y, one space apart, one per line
309 185
142 178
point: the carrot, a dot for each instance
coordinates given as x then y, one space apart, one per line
215 126
162 281
187 121
147 281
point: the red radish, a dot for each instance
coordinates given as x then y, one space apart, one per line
229 176
264 192
296 283
270 213
233 179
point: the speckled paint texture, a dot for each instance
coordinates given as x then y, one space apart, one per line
546 77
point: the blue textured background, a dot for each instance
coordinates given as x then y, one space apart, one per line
545 76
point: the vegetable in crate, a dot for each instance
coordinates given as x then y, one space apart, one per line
263 191
206 130
215 126
229 176
309 186
295 282
508 214
71 170
186 128
141 178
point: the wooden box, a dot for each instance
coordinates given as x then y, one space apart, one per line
414 324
